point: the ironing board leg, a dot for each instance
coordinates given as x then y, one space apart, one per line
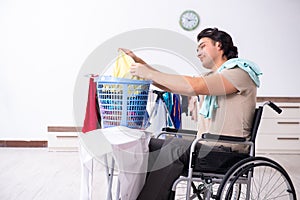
109 174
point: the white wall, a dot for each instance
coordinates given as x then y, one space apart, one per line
44 43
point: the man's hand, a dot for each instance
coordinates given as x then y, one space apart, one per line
141 70
132 55
128 52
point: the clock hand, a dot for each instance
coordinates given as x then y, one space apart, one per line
189 19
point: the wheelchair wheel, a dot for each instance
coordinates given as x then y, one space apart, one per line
260 178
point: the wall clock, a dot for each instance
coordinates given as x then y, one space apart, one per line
189 20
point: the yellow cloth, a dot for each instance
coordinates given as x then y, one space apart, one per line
122 66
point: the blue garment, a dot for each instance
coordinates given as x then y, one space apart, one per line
176 111
210 102
167 96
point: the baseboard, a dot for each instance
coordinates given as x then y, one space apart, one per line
42 143
22 143
64 129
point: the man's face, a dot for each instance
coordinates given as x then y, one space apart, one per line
208 51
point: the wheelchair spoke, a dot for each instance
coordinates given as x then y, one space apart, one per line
263 188
266 181
274 189
267 187
277 183
261 179
255 187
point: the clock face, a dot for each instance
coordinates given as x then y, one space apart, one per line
189 20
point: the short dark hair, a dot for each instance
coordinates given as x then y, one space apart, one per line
230 51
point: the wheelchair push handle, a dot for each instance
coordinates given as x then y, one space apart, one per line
273 106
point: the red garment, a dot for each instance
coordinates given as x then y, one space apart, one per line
92 116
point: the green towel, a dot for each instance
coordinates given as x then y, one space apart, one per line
210 102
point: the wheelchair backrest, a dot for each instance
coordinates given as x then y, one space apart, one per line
255 123
257 118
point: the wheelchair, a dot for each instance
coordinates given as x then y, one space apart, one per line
243 176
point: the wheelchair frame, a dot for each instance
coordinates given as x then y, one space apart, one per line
238 179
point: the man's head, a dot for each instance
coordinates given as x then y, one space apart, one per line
215 46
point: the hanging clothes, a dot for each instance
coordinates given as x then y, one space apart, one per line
92 118
184 105
176 111
158 118
166 111
193 107
91 122
168 100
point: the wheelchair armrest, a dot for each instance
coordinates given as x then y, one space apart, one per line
178 132
187 132
170 130
223 137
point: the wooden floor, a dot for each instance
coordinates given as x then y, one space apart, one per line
36 174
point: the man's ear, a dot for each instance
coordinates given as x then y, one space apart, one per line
218 44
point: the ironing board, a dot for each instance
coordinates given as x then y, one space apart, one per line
114 148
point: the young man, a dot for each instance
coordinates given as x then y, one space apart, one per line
229 104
